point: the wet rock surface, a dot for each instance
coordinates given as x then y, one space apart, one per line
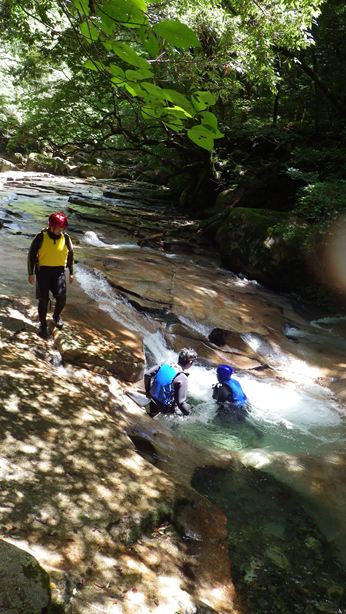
99 493
291 547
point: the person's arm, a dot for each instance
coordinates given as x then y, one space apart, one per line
180 393
32 255
70 256
148 375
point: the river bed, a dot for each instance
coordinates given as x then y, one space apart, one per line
296 430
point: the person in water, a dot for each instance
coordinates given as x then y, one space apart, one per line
166 384
50 253
229 394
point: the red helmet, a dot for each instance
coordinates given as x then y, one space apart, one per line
58 219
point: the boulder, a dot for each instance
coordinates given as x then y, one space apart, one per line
248 244
270 187
105 345
42 163
24 585
19 159
94 170
6 165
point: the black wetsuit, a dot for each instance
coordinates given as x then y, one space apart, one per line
231 400
49 278
180 385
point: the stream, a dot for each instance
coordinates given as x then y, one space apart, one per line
296 430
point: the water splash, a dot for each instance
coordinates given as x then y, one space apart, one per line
289 367
97 287
200 328
91 238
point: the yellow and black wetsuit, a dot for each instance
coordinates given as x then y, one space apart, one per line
48 256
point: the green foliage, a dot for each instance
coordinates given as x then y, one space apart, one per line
164 72
320 203
137 51
177 34
290 231
305 176
318 206
324 162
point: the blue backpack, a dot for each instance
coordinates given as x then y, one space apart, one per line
237 396
162 386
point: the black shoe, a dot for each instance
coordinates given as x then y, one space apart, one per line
42 331
58 322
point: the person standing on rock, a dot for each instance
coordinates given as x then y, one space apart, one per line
166 384
50 253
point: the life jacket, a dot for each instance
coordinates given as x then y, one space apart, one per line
162 386
236 397
52 252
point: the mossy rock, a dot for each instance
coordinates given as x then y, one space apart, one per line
24 585
249 244
97 171
41 163
6 165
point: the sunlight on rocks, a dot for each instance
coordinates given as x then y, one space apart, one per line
17 315
206 292
27 449
170 588
11 404
134 462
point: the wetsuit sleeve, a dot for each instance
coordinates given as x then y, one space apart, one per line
180 393
33 251
148 375
70 255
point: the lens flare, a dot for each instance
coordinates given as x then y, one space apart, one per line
336 255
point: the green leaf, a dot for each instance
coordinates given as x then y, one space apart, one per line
129 55
178 111
116 71
202 100
209 120
180 100
118 75
177 125
107 25
177 33
82 7
151 111
94 65
201 137
138 75
118 81
89 31
134 89
155 91
122 12
150 42
140 4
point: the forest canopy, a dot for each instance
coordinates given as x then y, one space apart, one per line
121 74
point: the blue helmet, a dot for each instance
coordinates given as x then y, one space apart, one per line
224 373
